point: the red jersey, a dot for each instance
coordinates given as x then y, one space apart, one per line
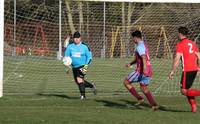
187 49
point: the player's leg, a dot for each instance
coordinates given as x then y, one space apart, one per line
133 91
193 92
191 77
149 96
192 102
133 77
86 83
187 80
83 74
144 81
92 86
80 82
81 87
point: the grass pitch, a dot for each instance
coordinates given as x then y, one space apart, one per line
69 109
39 91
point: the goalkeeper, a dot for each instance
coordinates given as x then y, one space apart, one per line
81 57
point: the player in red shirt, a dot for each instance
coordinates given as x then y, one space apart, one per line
186 52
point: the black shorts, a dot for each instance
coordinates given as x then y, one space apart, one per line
78 73
187 79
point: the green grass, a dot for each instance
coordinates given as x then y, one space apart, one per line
68 109
38 91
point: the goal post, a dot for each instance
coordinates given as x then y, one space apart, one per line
1 45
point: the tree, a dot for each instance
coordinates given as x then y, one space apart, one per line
69 14
80 7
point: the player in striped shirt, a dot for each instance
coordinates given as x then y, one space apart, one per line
185 51
143 72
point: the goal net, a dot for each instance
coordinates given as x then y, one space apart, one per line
32 63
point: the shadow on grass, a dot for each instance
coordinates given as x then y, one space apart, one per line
112 104
161 108
119 105
133 103
57 95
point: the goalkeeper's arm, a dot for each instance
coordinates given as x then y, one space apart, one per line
88 60
89 56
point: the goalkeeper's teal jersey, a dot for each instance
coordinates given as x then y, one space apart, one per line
79 53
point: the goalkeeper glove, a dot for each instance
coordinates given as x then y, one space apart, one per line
84 69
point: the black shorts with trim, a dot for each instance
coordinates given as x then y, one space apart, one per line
187 79
78 73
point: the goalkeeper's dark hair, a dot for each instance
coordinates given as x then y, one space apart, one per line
137 34
183 30
77 35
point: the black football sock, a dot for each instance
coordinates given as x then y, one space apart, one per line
82 89
88 84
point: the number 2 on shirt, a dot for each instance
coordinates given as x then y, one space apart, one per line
190 48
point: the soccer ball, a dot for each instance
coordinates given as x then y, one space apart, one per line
67 61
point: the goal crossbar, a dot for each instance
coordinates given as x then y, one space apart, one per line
150 1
